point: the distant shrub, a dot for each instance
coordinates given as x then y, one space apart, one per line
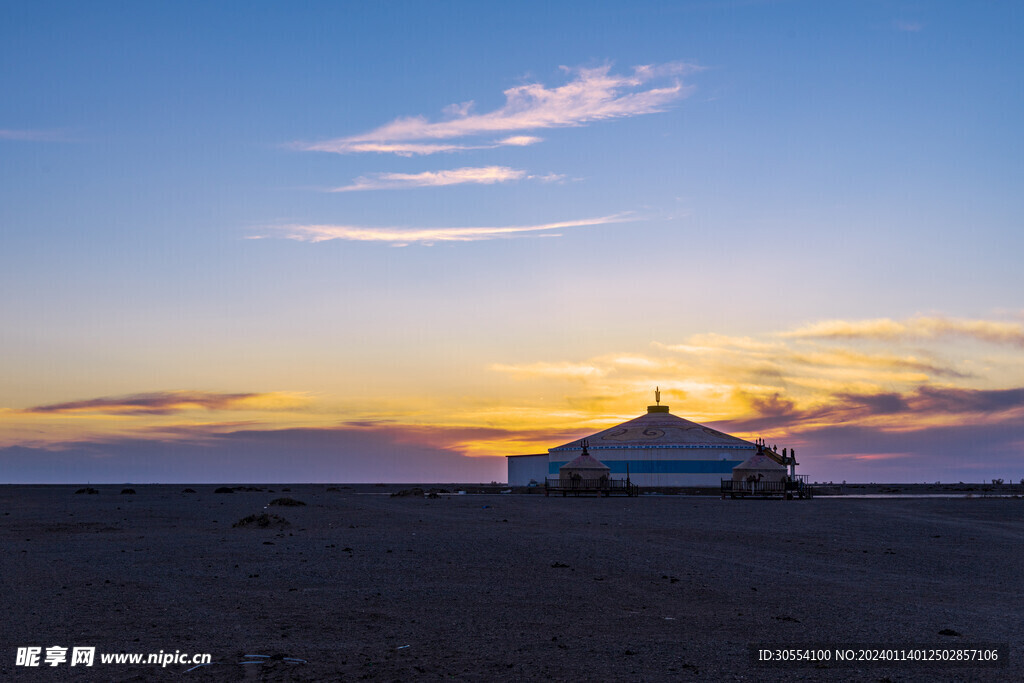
417 492
262 520
224 489
290 502
188 490
127 492
88 489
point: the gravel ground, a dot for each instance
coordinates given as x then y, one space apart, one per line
364 586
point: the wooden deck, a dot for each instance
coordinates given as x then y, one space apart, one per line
585 487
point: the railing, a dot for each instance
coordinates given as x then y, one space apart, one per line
601 486
612 484
787 488
730 486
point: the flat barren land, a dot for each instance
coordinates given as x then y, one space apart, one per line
362 585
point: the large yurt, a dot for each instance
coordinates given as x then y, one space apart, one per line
656 449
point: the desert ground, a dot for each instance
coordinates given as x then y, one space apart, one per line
360 585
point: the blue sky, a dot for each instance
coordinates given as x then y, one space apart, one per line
770 169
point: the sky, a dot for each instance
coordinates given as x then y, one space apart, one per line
358 242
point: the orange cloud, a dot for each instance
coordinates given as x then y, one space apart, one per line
877 456
776 385
790 381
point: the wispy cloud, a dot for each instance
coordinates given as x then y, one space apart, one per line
520 141
561 370
486 175
918 327
168 402
405 236
592 95
908 26
408 149
29 135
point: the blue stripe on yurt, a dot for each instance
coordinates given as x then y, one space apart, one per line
663 466
734 447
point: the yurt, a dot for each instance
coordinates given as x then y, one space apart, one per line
584 468
655 449
758 468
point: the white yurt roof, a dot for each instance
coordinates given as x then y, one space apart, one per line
585 462
759 461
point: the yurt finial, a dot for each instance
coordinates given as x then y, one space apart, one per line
657 407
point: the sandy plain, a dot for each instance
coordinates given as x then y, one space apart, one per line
364 586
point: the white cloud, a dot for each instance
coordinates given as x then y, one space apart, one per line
909 26
460 109
404 149
32 135
408 149
548 177
405 236
486 175
482 175
592 95
520 140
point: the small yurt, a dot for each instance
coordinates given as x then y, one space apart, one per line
759 467
584 467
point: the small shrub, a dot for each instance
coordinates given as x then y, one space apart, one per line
289 502
127 492
225 489
88 489
188 490
262 520
417 492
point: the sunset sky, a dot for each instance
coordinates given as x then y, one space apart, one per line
330 241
